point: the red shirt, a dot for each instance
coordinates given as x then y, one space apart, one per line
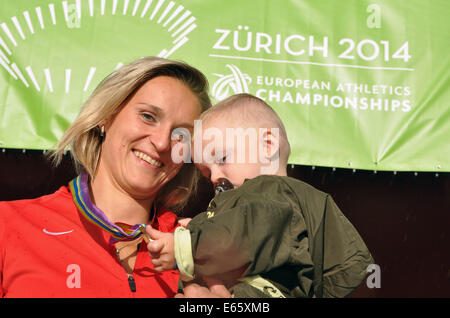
48 249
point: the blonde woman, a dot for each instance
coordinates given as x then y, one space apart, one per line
84 240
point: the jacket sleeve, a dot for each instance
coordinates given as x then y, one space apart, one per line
250 238
346 256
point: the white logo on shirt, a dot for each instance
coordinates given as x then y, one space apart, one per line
56 233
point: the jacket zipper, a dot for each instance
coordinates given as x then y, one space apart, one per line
131 281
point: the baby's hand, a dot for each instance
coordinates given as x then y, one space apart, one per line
161 249
184 221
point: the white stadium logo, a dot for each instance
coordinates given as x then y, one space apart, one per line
174 18
236 81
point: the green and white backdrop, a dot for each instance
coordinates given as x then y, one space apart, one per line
359 84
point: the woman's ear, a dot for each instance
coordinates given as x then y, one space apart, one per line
102 129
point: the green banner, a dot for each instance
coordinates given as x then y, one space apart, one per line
359 84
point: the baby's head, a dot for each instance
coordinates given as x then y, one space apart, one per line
242 138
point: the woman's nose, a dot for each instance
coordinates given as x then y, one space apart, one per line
161 140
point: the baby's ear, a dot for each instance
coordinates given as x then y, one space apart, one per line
270 142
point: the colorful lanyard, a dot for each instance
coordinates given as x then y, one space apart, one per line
119 231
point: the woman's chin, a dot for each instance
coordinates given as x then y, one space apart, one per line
140 187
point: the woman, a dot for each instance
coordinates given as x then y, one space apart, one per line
84 240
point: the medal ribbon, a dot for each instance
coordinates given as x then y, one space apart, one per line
119 231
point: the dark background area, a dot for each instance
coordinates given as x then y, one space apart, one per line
404 218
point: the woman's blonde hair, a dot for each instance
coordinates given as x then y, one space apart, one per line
83 137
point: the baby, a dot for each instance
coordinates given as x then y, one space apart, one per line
268 235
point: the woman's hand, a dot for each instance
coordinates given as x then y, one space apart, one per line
215 289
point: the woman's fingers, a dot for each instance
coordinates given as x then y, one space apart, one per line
216 287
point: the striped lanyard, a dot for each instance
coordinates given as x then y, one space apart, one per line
119 231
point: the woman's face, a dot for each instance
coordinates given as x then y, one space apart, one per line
136 151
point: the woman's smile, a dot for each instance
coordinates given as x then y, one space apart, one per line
154 163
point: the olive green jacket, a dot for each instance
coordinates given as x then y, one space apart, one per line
274 237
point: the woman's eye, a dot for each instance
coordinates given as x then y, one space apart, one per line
148 117
222 160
